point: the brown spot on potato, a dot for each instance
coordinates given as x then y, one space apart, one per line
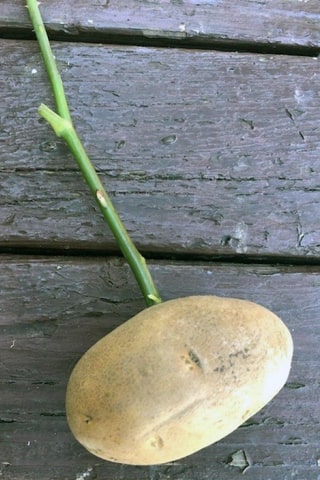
157 442
88 419
194 358
191 359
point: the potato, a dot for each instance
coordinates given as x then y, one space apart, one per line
177 377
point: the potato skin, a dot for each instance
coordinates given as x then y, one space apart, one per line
177 377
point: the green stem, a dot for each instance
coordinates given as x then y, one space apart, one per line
48 58
63 127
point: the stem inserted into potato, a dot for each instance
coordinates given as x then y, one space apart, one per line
62 125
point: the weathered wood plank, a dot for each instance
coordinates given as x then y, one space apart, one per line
242 24
203 152
52 310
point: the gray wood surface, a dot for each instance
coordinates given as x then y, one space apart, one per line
206 154
53 309
260 24
202 152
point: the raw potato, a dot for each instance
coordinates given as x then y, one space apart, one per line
177 377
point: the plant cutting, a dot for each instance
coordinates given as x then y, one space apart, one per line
181 374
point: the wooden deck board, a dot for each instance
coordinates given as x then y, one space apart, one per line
203 152
271 24
53 309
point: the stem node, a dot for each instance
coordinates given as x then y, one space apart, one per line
101 199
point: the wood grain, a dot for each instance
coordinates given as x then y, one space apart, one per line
273 25
53 309
206 154
203 152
